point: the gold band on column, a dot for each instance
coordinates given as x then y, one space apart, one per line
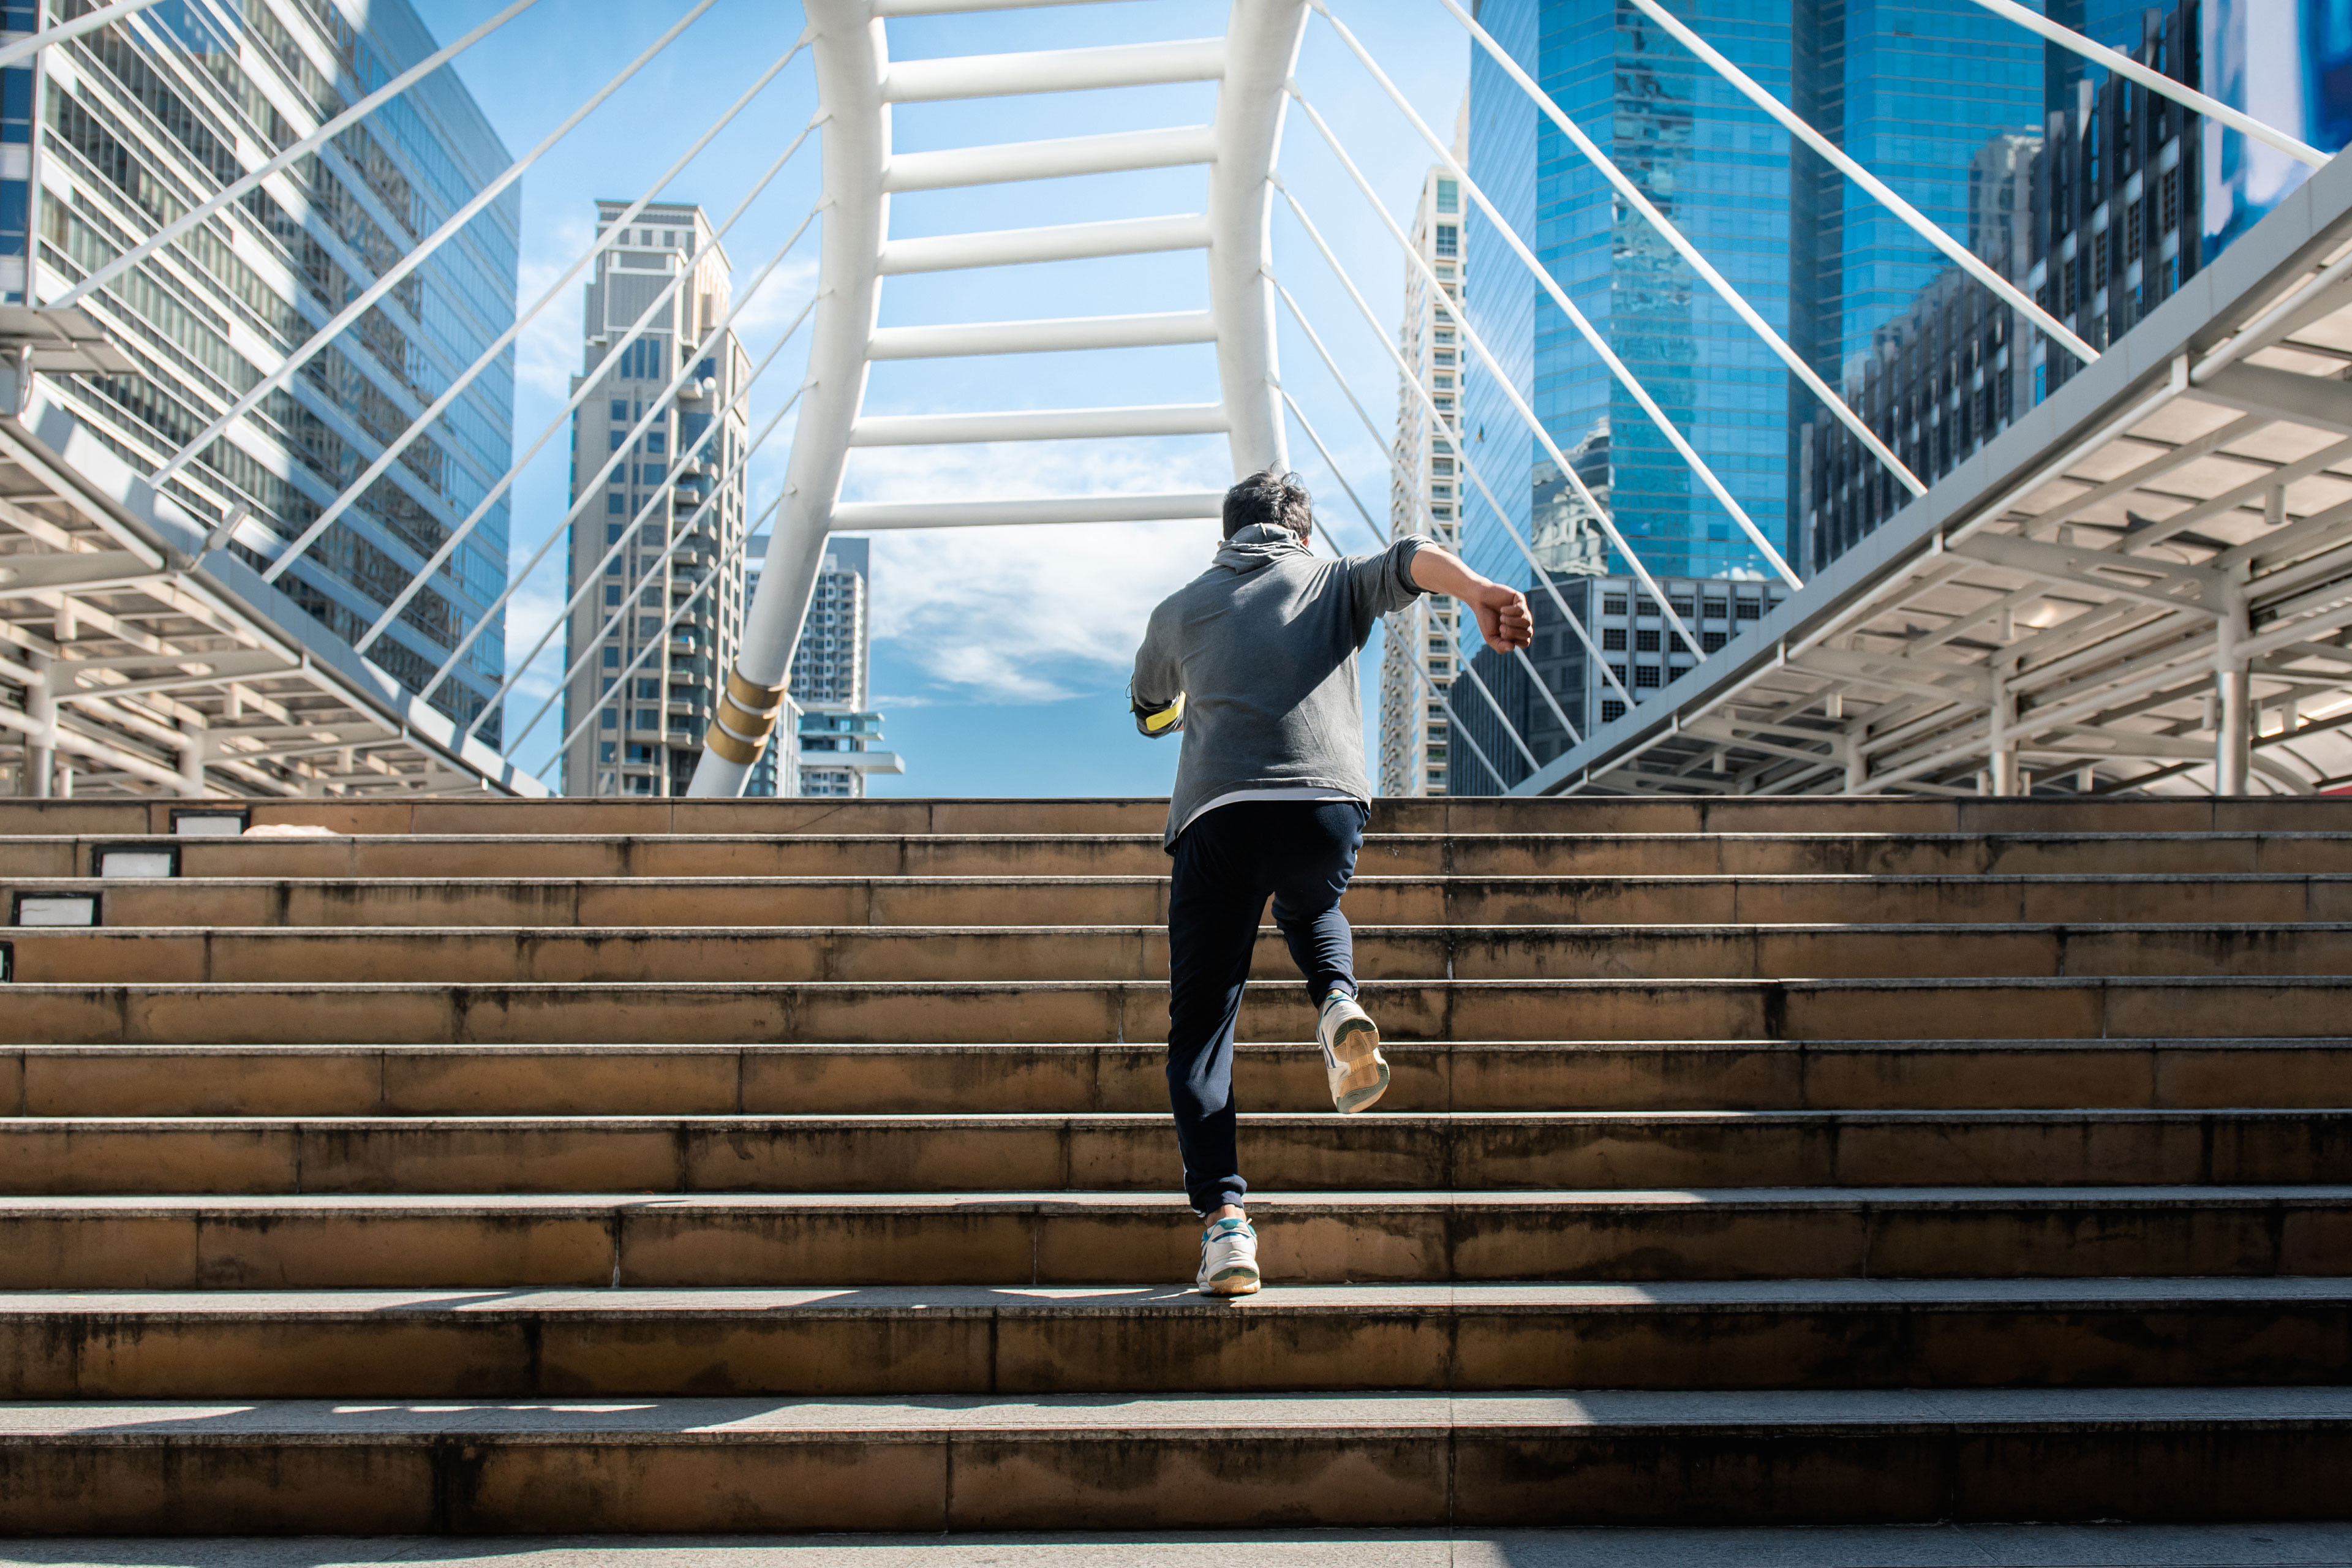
721 744
751 698
746 715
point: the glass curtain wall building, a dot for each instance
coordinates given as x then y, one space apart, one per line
1914 88
140 120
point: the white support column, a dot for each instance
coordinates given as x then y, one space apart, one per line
194 747
852 58
2233 731
41 742
1261 42
1999 748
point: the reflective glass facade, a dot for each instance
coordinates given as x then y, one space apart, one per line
1913 88
140 120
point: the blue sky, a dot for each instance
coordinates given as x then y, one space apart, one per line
1001 655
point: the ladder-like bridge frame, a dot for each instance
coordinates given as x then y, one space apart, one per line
857 83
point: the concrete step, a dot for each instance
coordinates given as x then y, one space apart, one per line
1161 1461
1464 1152
2281 1007
503 1242
337 903
1165 1339
917 955
1430 1075
1551 854
480 817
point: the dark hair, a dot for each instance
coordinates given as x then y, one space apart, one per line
1269 495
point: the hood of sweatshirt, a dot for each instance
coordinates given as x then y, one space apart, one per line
1259 544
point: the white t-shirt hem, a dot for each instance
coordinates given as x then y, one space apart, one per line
1280 792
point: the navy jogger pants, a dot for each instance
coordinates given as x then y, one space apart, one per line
1299 852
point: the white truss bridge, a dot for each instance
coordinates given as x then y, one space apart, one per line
2145 583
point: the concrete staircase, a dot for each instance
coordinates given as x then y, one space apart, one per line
706 1167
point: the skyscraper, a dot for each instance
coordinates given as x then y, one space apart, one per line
140 121
836 730
1913 88
662 520
1422 499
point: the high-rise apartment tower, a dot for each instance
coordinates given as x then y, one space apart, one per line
1422 499
673 505
836 730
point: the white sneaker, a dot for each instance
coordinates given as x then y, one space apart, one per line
1352 1053
1228 1259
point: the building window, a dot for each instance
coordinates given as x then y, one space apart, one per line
1645 675
1647 642
615 503
1718 609
1449 196
1711 641
648 718
1748 610
1612 639
620 410
1449 240
608 720
1613 605
1618 670
1611 711
612 596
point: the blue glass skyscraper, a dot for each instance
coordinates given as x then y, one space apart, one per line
1913 88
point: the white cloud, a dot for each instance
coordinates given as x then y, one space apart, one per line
781 296
1036 613
548 352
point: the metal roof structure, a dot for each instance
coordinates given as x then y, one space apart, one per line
2155 560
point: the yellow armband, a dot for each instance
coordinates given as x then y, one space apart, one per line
1157 721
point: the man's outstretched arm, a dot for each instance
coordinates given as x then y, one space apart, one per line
1155 693
1503 618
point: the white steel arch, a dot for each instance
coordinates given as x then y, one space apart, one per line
857 85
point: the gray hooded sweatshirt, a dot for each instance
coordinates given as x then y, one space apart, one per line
1262 646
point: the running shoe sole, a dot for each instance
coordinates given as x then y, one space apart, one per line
1361 1074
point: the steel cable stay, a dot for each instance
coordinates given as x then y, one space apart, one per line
26 47
391 276
659 402
2131 71
1420 668
1632 196
489 356
1502 380
285 160
1396 472
1453 439
661 636
740 470
645 514
1600 345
